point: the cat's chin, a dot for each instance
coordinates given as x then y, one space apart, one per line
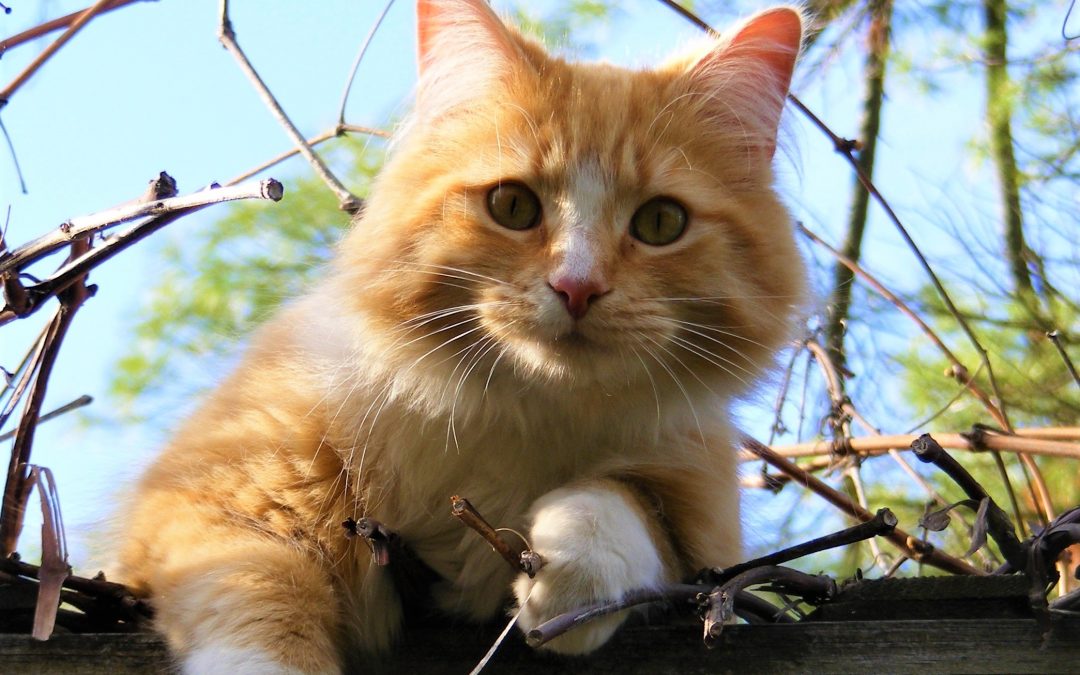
571 359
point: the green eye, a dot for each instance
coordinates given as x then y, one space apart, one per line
659 221
514 206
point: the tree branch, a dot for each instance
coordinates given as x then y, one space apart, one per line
347 201
76 25
38 293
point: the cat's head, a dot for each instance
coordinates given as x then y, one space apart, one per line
582 223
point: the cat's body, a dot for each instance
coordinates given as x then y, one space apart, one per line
567 377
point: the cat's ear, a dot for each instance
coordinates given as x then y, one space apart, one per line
750 68
463 50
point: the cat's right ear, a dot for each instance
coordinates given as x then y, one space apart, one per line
463 50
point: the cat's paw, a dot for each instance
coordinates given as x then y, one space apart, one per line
231 660
596 546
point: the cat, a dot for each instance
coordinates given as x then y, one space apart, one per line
562 277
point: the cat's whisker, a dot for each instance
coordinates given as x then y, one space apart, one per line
652 382
709 356
688 325
428 317
691 327
705 298
484 345
491 371
436 273
682 363
682 389
450 268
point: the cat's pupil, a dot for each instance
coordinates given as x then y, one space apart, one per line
514 206
659 221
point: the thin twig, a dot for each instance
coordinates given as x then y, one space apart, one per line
878 445
358 59
162 200
83 400
55 25
347 201
855 477
520 559
313 141
17 484
39 292
1054 337
929 450
909 545
881 523
76 25
14 158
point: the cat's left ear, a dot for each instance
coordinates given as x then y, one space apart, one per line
463 49
751 68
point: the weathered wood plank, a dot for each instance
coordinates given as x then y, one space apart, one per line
941 646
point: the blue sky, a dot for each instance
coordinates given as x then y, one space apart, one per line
148 88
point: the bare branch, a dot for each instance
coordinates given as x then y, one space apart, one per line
909 546
39 292
159 198
313 141
358 59
521 559
80 402
347 201
16 487
76 25
57 24
878 445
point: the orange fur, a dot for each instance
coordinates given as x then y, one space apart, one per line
436 358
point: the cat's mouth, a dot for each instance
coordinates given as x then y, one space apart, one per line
574 339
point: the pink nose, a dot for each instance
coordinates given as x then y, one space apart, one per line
578 294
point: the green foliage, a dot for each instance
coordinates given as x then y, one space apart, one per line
1035 383
220 281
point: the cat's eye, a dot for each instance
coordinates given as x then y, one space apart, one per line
514 206
659 221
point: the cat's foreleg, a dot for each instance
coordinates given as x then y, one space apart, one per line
599 541
259 606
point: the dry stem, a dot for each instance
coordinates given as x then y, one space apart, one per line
878 445
337 131
520 559
347 201
910 546
55 25
17 484
38 293
76 25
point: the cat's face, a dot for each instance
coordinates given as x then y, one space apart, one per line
581 223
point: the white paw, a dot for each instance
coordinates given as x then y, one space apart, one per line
226 660
596 548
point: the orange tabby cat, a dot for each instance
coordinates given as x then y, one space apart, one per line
563 275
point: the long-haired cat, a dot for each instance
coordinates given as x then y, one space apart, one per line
563 275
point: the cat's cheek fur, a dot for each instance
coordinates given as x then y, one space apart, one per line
597 546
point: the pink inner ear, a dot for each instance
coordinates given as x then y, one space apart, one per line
427 16
773 37
468 25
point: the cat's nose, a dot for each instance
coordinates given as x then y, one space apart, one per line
577 294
